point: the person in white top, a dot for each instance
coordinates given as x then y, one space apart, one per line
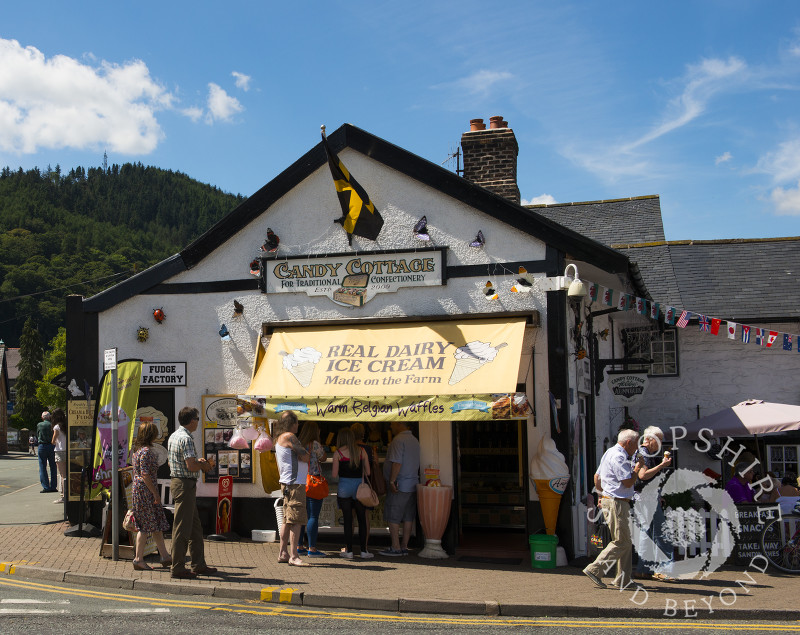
292 459
59 421
614 480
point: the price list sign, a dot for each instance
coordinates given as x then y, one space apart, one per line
219 422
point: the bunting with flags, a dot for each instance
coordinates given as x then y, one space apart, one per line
674 316
359 216
773 335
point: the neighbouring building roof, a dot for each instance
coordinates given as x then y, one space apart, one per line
737 279
12 359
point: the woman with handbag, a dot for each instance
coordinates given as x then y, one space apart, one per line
350 465
148 513
358 433
316 488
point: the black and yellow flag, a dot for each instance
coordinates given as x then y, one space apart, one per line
359 214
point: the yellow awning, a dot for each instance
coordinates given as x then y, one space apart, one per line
425 368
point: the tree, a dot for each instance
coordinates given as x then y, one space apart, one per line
30 370
55 363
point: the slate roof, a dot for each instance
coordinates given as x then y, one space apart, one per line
741 279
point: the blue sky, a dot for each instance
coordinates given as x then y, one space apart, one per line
697 102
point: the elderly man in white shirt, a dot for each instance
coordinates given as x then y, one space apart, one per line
614 481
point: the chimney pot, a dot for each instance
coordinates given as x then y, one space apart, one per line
476 124
495 122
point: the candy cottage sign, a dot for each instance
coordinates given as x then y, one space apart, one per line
628 387
353 280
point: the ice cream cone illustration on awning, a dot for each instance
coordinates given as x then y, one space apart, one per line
301 363
471 357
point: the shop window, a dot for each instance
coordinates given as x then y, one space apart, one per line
655 344
782 459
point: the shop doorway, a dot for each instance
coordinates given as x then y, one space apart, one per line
492 488
159 405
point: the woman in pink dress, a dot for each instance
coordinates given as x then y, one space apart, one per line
148 513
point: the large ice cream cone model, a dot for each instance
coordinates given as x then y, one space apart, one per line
550 476
433 505
549 499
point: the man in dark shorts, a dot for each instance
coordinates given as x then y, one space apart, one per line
401 469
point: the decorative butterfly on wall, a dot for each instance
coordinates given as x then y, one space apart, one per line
489 291
479 241
270 245
524 283
421 229
224 334
238 308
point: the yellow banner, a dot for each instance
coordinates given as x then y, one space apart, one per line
431 408
474 357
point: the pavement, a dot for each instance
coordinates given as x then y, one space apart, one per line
247 570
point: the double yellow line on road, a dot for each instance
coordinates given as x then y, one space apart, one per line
253 608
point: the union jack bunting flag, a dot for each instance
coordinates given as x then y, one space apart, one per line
683 320
705 323
787 342
745 334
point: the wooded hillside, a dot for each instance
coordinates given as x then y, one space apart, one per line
87 230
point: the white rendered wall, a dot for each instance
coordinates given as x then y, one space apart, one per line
303 219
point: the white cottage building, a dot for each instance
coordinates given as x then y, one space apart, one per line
485 455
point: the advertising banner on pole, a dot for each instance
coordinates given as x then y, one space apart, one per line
129 374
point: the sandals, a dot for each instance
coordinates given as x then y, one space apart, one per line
166 562
141 566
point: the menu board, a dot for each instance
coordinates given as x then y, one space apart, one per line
219 422
80 425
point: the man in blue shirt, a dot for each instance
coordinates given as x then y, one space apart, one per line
614 480
401 469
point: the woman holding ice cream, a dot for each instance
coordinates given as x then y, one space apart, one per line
651 563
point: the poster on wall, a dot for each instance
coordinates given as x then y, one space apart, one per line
79 427
219 423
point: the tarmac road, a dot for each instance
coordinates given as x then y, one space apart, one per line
21 500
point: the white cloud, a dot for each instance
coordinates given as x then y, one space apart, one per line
62 103
783 165
702 82
723 158
543 199
221 106
787 201
479 83
242 80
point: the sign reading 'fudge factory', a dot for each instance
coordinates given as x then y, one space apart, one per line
354 279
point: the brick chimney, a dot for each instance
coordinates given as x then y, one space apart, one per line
490 157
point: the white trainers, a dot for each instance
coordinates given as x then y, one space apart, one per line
346 554
366 555
58 500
